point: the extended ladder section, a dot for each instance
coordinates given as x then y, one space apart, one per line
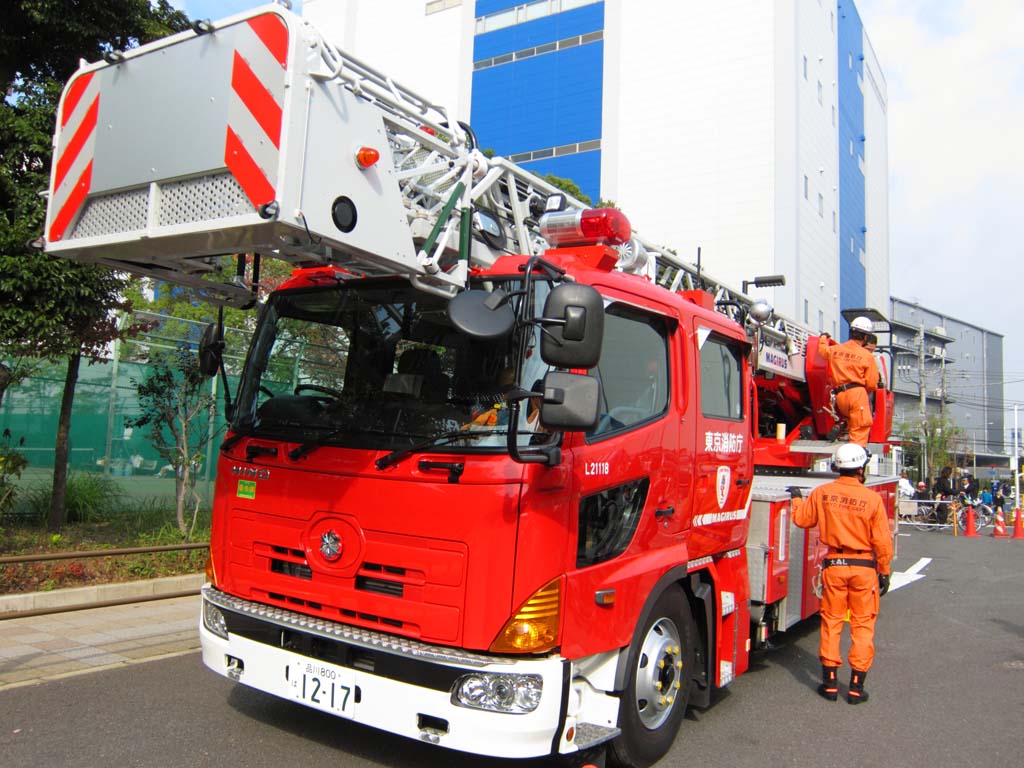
256 135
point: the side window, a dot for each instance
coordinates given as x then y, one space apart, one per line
633 370
721 377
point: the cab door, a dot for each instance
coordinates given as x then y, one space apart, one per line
723 450
630 479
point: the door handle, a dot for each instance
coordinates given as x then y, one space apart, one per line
666 512
741 481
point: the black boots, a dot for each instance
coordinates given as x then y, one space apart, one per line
857 694
829 688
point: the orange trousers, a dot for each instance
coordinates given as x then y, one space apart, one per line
853 406
853 588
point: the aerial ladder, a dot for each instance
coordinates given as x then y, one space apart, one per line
256 136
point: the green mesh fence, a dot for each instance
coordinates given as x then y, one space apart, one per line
105 401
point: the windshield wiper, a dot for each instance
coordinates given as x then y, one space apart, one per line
308 446
445 437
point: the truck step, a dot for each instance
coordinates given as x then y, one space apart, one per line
591 734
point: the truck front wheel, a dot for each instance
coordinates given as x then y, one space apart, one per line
658 683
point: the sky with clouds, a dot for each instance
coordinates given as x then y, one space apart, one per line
955 76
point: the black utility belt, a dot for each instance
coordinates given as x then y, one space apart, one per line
849 385
861 561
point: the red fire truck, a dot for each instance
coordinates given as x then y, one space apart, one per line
500 475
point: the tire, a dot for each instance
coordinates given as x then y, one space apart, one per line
983 516
658 683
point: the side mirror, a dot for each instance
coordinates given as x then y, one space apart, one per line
571 402
574 327
211 350
482 315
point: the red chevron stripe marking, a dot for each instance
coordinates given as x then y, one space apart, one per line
72 204
246 172
272 31
257 99
74 94
70 153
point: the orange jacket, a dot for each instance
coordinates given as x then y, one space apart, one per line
849 362
850 517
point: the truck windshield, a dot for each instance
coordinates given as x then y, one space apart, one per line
376 364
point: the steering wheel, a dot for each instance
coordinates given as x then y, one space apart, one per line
317 388
621 414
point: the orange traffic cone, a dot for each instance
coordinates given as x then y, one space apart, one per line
970 530
1018 527
999 527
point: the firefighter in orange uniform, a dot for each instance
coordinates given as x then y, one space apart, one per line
854 526
854 375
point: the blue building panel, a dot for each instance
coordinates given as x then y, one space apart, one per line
852 211
485 7
589 18
583 168
541 102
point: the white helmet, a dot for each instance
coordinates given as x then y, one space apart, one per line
849 456
862 324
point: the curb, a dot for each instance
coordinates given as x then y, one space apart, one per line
86 597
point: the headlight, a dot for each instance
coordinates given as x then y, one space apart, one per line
213 620
496 692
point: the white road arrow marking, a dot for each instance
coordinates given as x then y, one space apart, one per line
909 576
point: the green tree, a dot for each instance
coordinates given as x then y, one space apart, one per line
52 308
175 406
568 186
935 440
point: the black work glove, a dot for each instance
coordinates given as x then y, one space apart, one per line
883 583
795 492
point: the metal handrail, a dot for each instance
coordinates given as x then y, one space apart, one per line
43 557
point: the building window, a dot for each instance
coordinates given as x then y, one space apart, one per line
821 205
833 115
832 21
805 187
851 147
833 221
851 245
821 321
819 91
850 60
436 6
805 67
807 309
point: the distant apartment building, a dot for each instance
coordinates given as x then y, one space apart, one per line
948 366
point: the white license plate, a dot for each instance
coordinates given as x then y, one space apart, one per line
323 686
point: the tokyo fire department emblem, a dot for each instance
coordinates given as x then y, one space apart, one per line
722 486
330 546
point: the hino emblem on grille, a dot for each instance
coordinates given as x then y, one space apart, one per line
330 546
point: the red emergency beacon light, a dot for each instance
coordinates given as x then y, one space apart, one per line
593 226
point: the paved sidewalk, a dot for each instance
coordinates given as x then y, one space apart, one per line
39 648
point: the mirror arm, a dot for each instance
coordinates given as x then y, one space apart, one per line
228 407
549 455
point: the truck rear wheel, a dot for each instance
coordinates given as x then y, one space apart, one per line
658 683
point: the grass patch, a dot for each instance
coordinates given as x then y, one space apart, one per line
126 523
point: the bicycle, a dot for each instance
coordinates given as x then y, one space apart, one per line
983 513
927 514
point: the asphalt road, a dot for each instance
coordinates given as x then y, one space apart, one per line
947 690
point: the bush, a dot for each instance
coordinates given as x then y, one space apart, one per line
89 497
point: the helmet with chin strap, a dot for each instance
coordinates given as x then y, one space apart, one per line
849 456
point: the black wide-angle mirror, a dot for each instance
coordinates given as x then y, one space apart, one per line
482 315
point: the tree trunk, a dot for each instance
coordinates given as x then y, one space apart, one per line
62 448
6 376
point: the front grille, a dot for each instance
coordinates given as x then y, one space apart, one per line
380 586
288 568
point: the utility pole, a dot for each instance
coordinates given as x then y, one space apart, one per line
924 402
